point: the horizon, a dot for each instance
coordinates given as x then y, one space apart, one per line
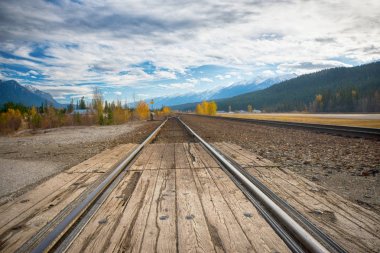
132 103
67 48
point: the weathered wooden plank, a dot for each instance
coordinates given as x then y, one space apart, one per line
21 228
160 233
157 156
349 224
168 161
207 160
340 218
181 160
92 161
193 233
120 223
226 233
128 235
192 156
96 236
143 158
23 217
118 153
260 234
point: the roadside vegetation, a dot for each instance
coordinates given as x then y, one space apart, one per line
206 108
98 112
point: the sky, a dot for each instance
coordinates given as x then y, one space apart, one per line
142 49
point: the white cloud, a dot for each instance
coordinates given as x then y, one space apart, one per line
118 93
94 41
175 86
207 80
33 72
166 75
64 90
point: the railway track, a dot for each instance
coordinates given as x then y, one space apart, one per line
355 132
299 234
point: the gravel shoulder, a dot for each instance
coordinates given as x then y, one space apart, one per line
27 158
348 166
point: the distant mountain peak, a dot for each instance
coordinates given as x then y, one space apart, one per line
12 91
31 88
231 90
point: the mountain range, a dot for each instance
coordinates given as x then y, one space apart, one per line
342 89
12 91
353 89
219 93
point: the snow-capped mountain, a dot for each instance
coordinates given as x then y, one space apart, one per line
225 92
12 91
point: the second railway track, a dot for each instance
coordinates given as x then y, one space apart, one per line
170 193
348 131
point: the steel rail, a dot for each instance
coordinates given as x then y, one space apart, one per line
55 235
359 132
295 214
303 236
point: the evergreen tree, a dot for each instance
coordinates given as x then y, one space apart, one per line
82 104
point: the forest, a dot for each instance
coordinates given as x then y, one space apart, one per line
355 89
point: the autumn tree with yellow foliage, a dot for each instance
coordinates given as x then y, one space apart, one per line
120 114
142 110
206 108
165 111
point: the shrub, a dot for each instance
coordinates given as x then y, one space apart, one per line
121 115
35 119
10 121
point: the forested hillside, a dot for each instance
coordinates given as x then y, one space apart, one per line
355 89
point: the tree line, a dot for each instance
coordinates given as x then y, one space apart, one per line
97 112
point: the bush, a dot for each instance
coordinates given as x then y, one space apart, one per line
10 121
121 115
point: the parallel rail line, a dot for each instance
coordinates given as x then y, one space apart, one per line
350 131
297 232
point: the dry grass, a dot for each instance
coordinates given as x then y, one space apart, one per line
371 123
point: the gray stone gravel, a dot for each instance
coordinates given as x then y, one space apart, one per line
16 174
